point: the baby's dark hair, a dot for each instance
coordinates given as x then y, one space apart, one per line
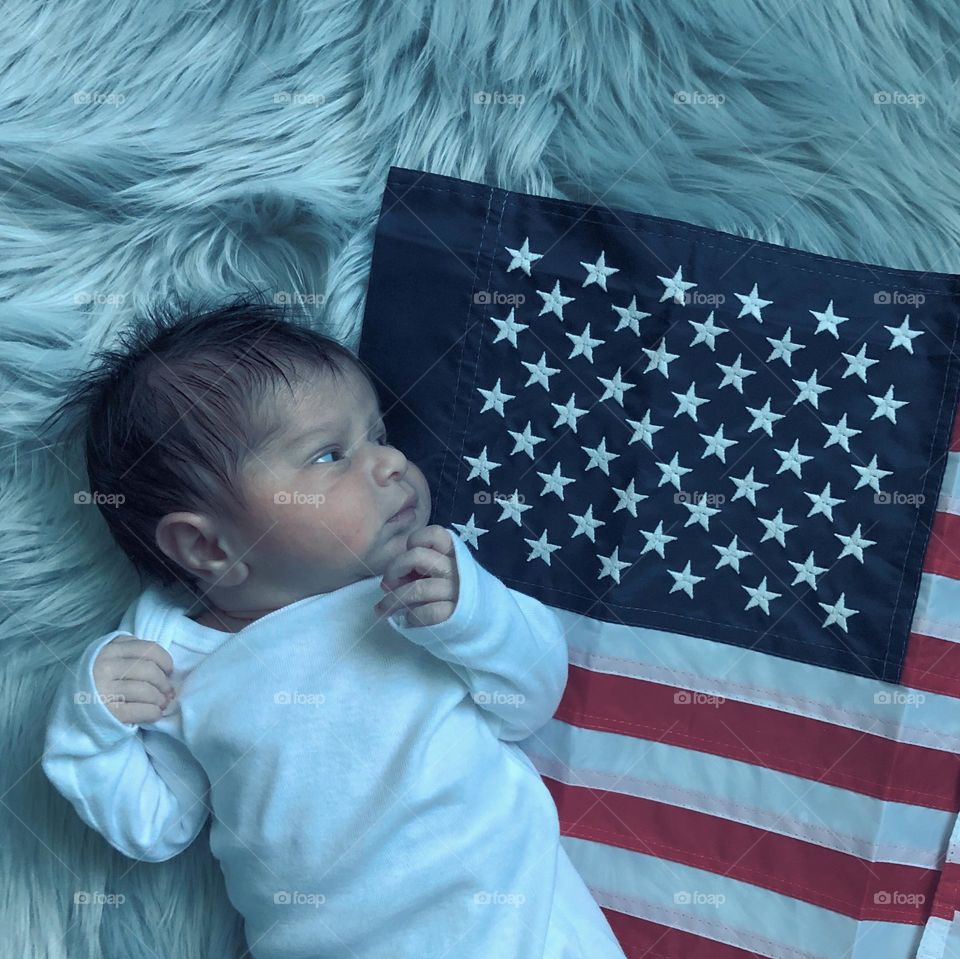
171 415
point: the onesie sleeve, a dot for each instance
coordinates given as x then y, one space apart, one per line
508 648
138 787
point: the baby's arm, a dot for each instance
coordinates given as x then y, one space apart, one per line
507 647
138 787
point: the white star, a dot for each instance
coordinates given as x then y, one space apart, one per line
858 364
688 402
903 335
870 475
660 359
760 596
776 528
494 398
554 482
525 441
523 258
675 287
615 387
630 316
598 272
838 613
511 507
700 513
554 301
599 457
854 544
747 487
752 303
840 433
481 466
627 499
583 344
469 531
764 419
783 349
568 413
730 555
672 472
810 390
717 445
611 565
684 580
540 548
707 332
734 374
656 540
792 460
828 321
586 524
887 406
508 329
540 372
643 430
807 571
823 502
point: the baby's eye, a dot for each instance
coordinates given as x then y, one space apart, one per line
327 453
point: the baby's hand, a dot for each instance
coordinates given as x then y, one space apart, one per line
423 580
131 678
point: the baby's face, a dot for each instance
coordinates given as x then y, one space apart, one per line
324 491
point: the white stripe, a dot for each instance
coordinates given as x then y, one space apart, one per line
950 489
748 917
938 607
835 818
857 702
934 942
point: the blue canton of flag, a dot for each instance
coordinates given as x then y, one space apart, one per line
667 426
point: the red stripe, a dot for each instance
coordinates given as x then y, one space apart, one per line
948 892
855 887
825 752
932 664
955 439
943 549
642 939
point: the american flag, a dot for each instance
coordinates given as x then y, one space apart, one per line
733 469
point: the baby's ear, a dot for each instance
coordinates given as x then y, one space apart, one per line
195 544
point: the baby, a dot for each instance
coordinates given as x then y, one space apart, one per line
340 683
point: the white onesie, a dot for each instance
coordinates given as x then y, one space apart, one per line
368 795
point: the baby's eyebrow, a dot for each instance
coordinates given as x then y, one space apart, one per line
321 429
